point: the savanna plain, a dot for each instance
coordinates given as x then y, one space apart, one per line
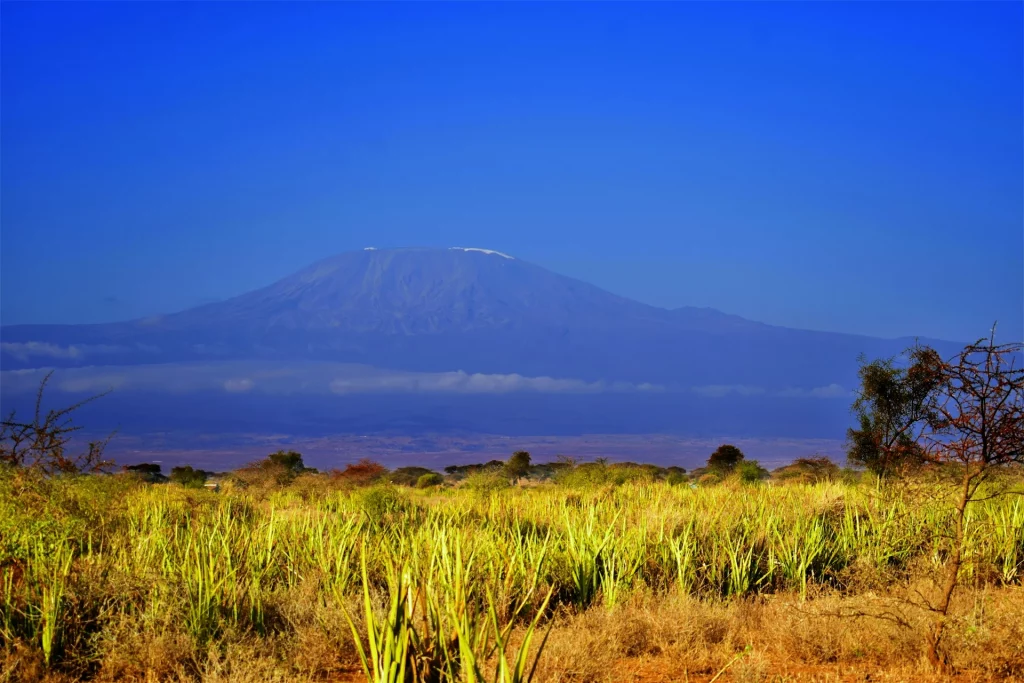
503 572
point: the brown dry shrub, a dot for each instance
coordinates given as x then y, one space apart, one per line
363 473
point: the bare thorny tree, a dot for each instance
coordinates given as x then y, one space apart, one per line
974 431
44 444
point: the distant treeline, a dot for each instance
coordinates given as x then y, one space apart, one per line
287 467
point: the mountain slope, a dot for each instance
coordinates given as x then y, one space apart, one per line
460 309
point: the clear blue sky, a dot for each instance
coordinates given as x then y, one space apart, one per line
853 167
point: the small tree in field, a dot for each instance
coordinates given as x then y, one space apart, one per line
518 465
189 477
725 458
975 429
289 460
891 409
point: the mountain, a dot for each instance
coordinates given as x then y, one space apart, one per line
474 310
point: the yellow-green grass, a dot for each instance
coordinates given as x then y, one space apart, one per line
449 584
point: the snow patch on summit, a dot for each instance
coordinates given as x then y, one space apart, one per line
483 251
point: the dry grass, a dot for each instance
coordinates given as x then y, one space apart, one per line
651 638
281 570
779 637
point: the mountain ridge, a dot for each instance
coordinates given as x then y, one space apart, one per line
466 308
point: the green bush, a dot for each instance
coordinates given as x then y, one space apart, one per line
487 480
582 476
289 460
38 509
676 478
380 502
750 471
188 477
408 476
808 471
599 473
429 480
624 473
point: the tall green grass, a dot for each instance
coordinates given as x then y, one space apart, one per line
452 584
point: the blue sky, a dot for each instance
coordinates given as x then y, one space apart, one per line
851 167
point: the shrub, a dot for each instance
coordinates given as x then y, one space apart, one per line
289 460
584 475
146 472
808 471
312 485
750 472
362 473
460 472
189 477
408 476
623 473
600 473
487 480
709 479
429 480
675 478
143 468
380 502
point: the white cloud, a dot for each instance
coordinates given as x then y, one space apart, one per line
324 378
464 383
238 386
23 351
269 377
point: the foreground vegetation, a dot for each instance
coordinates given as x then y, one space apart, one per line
318 578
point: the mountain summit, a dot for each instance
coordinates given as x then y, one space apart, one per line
463 308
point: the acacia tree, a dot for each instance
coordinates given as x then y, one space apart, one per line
891 410
725 458
43 444
975 419
518 466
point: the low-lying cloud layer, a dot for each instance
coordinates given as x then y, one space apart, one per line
476 383
295 378
312 378
24 351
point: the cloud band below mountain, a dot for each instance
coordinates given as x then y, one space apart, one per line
238 377
325 378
